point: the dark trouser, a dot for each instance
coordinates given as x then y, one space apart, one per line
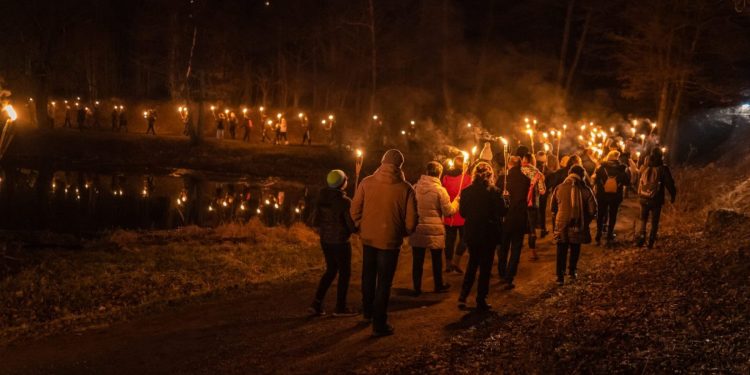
451 233
480 257
533 222
653 210
607 216
151 129
418 264
246 135
232 132
338 261
378 269
511 245
264 136
306 137
542 210
562 256
283 136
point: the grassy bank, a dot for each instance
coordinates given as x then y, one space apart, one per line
52 289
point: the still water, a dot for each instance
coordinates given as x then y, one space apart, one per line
81 201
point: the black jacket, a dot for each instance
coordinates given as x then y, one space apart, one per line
667 183
517 219
332 218
611 169
483 209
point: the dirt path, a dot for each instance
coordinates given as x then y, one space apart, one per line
266 330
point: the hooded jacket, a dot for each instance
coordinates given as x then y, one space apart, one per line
451 181
517 219
433 203
384 208
573 206
332 218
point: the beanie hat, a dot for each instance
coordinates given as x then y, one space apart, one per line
577 169
613 155
394 157
521 151
336 178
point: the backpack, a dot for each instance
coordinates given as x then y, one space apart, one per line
650 183
610 185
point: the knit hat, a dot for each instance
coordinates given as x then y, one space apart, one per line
577 169
613 155
336 178
394 157
521 151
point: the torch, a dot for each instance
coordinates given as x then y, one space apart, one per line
653 127
530 132
358 167
505 159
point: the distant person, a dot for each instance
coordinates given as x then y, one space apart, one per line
113 118
542 158
151 120
655 179
277 130
516 223
232 125
433 203
247 127
385 211
123 123
67 123
266 128
533 197
483 208
220 126
306 129
454 181
334 224
283 131
573 207
81 117
610 182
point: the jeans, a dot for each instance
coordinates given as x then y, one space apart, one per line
653 210
378 269
480 257
562 256
511 245
418 264
451 233
607 217
338 261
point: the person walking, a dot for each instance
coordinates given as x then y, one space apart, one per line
542 165
537 189
266 128
516 223
151 119
232 125
610 181
113 118
573 207
334 224
656 178
81 117
384 209
483 208
283 131
220 126
247 127
306 128
433 203
123 123
454 181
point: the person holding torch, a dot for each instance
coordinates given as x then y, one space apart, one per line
454 181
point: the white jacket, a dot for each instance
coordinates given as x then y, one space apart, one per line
433 203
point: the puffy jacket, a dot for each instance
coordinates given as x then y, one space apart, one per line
384 208
433 203
451 182
614 170
332 218
484 208
573 207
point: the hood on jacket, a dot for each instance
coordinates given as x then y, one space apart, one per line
328 195
389 174
426 180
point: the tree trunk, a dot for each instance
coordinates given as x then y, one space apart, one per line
565 42
579 50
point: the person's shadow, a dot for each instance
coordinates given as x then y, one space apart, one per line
472 318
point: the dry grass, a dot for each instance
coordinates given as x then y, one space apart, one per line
48 289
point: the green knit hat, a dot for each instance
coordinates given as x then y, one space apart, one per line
336 178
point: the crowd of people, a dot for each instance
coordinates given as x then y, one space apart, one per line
483 206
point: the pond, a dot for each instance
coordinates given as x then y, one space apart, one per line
89 202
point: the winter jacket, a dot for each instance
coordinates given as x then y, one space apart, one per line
332 218
573 207
589 165
611 169
384 208
451 181
537 187
483 208
667 183
433 203
516 219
